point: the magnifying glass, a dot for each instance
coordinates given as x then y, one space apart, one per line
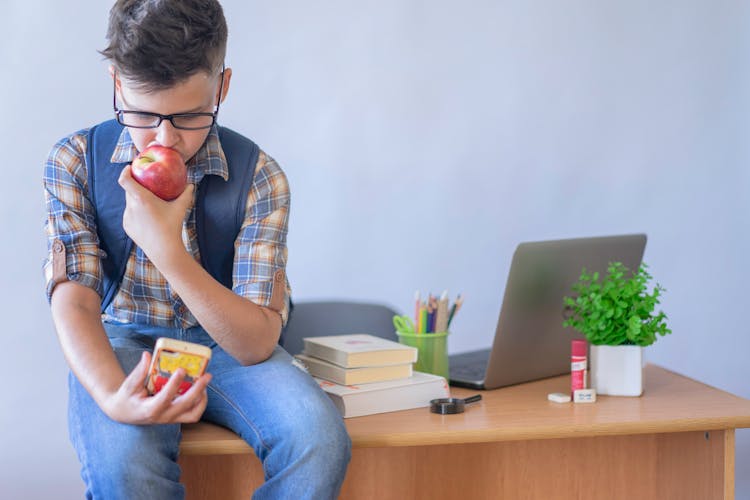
447 406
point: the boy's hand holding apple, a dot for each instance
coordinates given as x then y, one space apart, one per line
154 224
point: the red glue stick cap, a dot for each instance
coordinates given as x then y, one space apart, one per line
578 348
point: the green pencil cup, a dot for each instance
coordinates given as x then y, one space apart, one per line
432 350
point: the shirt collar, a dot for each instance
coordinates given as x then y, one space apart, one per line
209 160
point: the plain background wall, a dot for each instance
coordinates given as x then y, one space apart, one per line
423 141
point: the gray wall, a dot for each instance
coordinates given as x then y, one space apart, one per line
423 141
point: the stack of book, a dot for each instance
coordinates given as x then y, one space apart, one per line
364 374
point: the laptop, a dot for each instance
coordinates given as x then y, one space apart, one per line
530 342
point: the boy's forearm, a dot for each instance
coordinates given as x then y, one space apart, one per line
245 330
75 312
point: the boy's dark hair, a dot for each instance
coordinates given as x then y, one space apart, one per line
158 43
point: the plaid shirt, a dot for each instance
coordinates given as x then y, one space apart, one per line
144 295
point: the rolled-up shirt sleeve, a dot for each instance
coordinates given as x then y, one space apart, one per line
70 216
260 248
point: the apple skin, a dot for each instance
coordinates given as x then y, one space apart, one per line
160 170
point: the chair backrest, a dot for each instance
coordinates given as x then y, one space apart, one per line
315 319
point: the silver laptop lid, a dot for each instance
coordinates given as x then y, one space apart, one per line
530 341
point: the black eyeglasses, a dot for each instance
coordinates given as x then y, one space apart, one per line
183 121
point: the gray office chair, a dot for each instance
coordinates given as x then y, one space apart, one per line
315 319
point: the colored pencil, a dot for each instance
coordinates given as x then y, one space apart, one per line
441 320
454 309
416 308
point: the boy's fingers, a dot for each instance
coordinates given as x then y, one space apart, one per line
196 391
193 406
196 411
136 380
185 200
170 406
202 382
193 401
129 184
169 392
169 396
125 177
186 197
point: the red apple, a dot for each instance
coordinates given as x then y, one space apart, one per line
160 170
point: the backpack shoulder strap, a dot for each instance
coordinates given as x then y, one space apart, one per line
220 208
108 199
220 205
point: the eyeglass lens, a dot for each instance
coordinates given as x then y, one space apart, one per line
148 120
186 121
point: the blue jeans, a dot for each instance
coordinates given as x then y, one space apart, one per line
274 406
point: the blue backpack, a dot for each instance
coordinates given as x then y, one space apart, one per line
220 205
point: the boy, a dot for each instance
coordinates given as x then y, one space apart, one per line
169 80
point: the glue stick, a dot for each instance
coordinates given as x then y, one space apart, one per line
578 365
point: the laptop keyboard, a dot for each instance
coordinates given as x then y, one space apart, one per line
470 365
468 372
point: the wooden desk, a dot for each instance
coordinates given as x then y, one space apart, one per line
676 441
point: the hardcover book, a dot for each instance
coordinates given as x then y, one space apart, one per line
358 350
348 376
380 397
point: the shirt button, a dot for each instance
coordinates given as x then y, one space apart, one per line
182 310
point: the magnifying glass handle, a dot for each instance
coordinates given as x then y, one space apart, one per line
471 399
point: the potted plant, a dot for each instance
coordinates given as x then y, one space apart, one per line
617 316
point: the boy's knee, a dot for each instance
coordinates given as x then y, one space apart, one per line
315 425
321 436
132 472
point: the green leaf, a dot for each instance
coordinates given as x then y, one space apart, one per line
616 307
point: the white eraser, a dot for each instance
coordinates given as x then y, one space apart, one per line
558 397
584 396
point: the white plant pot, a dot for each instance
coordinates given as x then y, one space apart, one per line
617 370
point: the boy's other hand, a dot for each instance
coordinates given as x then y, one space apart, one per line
153 224
132 404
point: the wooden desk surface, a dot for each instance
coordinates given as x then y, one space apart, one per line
670 403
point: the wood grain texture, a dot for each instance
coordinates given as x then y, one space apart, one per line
220 477
611 467
676 441
728 463
683 466
670 403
